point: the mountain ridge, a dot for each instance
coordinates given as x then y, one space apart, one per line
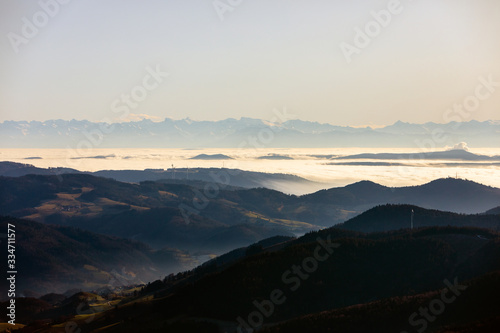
230 133
401 267
57 258
402 264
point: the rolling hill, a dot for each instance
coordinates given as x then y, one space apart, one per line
227 178
454 154
191 219
371 276
54 259
493 211
393 314
448 194
395 217
159 214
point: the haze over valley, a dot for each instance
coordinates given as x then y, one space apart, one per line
228 166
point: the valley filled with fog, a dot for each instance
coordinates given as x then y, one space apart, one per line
324 167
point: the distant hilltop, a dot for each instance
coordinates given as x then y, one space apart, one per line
244 132
211 157
454 154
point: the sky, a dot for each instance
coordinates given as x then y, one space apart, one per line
121 60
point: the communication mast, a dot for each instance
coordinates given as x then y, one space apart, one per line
411 223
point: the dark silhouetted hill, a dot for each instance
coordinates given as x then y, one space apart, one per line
493 211
223 176
54 259
394 217
367 278
448 194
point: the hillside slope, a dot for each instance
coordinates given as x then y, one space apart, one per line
55 258
394 217
362 269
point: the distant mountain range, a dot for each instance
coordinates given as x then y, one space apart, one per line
233 133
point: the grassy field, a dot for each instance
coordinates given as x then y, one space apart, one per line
70 205
6 327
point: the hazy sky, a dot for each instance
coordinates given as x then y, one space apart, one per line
262 54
